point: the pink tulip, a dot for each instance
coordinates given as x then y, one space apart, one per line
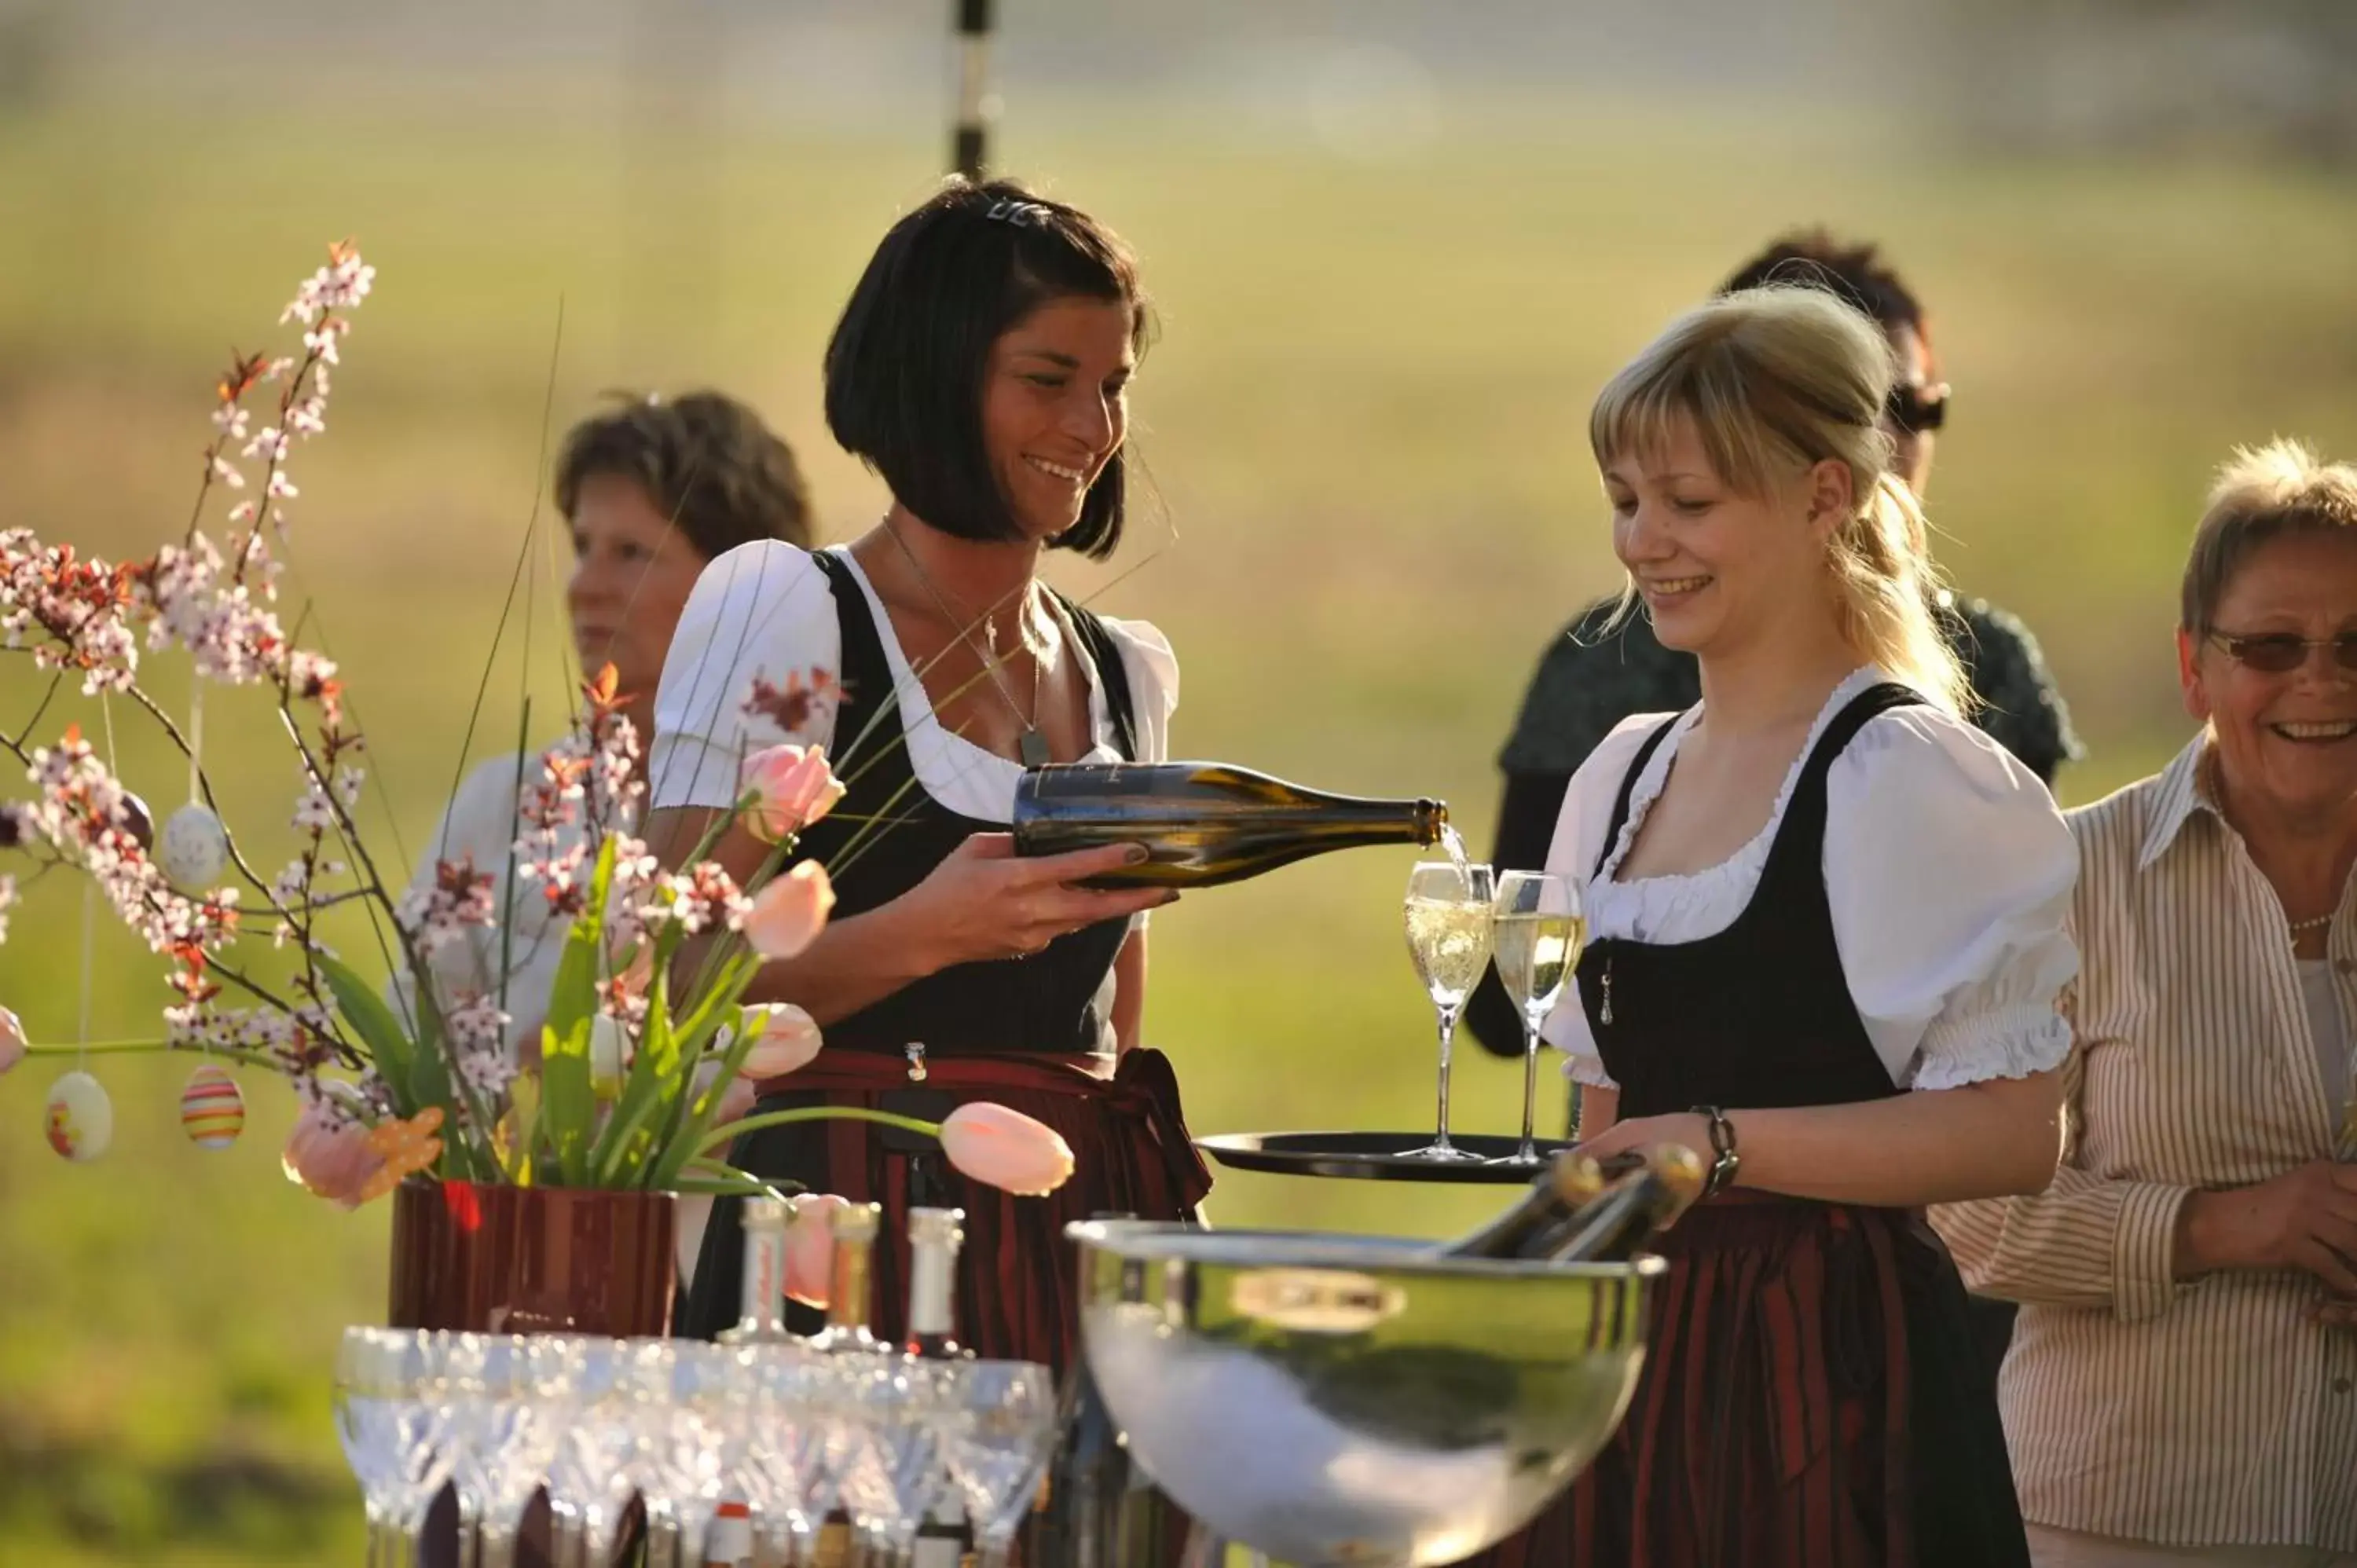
1006 1149
788 1039
329 1154
12 1039
794 786
810 1246
788 915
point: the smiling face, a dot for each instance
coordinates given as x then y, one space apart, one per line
1055 408
2286 744
1718 569
633 573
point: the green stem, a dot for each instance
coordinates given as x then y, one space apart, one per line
719 1135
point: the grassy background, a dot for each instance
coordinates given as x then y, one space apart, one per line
1375 504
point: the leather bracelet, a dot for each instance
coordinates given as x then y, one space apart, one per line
1725 1160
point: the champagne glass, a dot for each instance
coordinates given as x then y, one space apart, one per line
1535 935
693 1402
1448 915
372 1442
595 1471
1001 1433
895 1470
788 1475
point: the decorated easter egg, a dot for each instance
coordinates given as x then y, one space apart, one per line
213 1108
79 1119
193 849
609 1055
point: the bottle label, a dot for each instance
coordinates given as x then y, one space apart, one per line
937 1552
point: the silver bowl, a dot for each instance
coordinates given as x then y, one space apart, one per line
1355 1401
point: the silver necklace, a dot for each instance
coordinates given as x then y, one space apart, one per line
1030 746
2301 927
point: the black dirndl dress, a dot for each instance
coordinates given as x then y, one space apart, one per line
1001 1031
1812 1395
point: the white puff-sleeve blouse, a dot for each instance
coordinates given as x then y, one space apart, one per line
765 612
1947 866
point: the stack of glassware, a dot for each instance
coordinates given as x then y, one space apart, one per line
834 1443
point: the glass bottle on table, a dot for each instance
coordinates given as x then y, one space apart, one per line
761 1294
849 1303
934 1237
1448 915
850 1291
1536 933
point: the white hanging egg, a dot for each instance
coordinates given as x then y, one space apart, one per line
193 848
80 1118
213 1108
609 1055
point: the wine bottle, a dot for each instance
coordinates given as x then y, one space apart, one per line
1098 1509
848 1288
934 1236
761 1310
1619 1223
1585 1211
1201 822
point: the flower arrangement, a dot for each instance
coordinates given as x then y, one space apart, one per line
642 1058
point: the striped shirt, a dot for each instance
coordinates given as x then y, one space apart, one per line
2211 1411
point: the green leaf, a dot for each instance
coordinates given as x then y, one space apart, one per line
658 1076
569 1106
389 1047
688 1136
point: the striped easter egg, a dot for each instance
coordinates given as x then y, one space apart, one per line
212 1111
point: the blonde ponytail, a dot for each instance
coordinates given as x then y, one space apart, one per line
1775 378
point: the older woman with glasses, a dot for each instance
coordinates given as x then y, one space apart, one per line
2182 1385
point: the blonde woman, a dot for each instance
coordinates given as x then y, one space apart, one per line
1828 939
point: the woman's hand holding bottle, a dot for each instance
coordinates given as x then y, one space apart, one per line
984 902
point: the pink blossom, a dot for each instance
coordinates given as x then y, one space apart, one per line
788 915
787 1040
329 1154
1005 1149
459 898
792 785
12 1040
810 1246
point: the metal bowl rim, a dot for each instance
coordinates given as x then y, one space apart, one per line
1168 1239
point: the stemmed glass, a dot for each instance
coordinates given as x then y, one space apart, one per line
690 1408
1448 915
390 1416
594 1473
1000 1431
894 1473
787 1474
506 1397
1535 934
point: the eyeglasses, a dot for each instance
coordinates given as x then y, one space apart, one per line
2281 652
1915 409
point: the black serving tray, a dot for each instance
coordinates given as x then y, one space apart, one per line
1376 1156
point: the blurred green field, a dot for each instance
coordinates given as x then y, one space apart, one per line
1365 426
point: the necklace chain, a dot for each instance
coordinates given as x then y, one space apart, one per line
2314 923
1032 745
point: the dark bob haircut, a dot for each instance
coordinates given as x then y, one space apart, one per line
705 461
906 366
1854 273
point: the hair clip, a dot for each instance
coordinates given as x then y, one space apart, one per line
1022 214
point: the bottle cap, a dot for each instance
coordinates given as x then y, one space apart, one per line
766 1213
937 1226
857 1221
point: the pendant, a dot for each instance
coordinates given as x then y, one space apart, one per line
1033 748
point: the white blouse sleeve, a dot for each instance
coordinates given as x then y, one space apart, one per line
763 612
1950 873
1152 671
1578 843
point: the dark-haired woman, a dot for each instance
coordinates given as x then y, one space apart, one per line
982 368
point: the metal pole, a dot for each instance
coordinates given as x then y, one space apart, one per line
974 80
